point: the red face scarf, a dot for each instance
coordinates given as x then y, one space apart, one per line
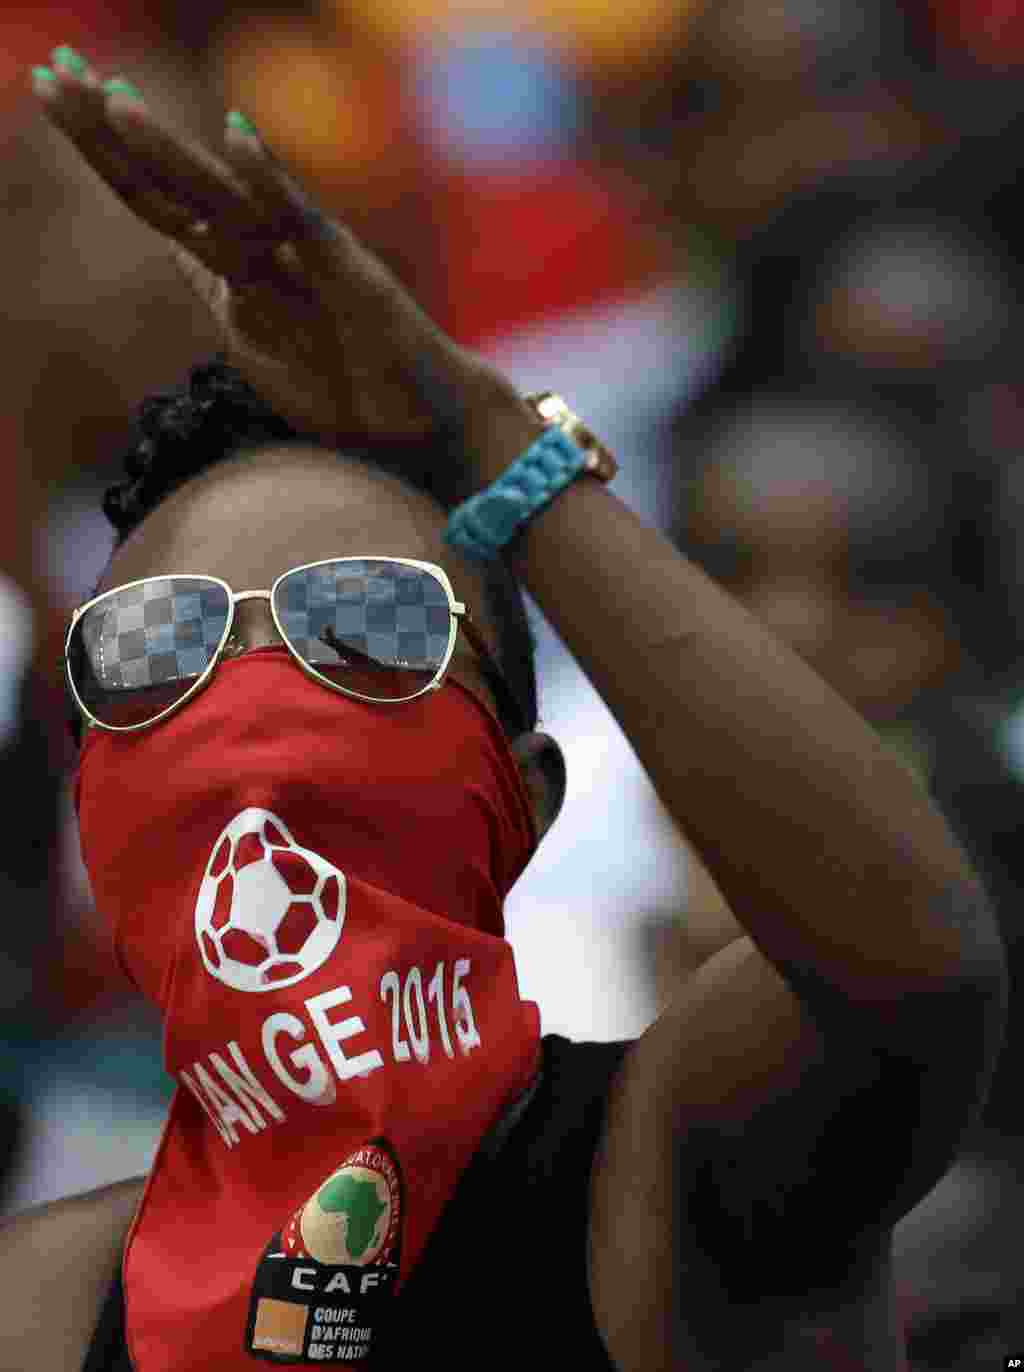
310 888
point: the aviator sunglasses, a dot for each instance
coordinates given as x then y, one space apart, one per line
376 629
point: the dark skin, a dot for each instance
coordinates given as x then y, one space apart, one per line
732 1191
255 516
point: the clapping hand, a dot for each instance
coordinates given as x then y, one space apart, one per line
313 320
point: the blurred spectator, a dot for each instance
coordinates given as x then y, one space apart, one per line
877 563
852 467
31 760
988 33
501 124
73 369
900 291
12 1135
763 102
958 1284
841 528
851 475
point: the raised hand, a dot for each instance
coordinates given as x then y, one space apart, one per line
314 321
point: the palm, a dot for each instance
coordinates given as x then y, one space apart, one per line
311 318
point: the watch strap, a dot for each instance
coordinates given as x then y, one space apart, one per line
482 525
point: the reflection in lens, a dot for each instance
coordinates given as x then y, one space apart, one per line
378 628
138 651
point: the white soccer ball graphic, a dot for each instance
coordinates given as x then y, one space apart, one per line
269 912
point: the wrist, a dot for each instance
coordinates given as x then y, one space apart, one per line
499 427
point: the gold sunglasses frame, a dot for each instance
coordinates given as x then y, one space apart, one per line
459 615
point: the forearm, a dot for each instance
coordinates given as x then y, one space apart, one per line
826 848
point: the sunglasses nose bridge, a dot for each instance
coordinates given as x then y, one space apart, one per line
253 625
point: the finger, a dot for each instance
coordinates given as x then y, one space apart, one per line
314 248
78 87
288 214
289 211
275 210
80 108
173 184
183 170
231 238
73 100
76 105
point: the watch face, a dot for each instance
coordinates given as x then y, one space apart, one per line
548 406
555 412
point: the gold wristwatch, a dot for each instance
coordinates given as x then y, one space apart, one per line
553 410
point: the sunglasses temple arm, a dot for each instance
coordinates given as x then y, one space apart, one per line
508 702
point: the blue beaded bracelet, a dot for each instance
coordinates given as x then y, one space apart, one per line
482 525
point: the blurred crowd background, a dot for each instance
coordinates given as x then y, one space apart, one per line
765 247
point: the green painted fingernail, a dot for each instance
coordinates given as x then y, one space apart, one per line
45 75
69 59
237 120
118 86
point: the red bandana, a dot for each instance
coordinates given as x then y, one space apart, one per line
310 887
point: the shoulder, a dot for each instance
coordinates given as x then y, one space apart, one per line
90 1222
61 1256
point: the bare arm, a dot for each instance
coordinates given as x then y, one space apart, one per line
823 845
826 848
56 1265
813 1080
872 962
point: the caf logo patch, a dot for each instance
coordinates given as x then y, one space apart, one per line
324 1283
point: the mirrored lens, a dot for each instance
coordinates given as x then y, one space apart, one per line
136 653
378 628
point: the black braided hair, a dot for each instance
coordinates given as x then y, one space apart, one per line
215 414
182 431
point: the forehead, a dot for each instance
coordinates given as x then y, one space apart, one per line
252 517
